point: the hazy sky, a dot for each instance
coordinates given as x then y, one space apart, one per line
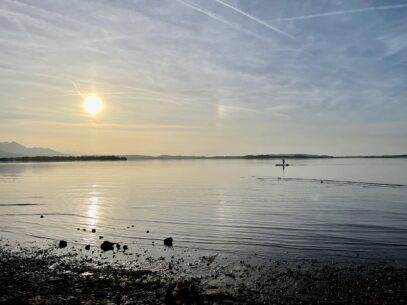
205 76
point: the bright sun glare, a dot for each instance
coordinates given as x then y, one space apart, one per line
93 104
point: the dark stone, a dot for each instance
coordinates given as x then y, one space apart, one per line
107 246
132 226
42 216
63 244
100 237
93 230
87 247
125 247
168 242
147 231
118 246
83 229
13 301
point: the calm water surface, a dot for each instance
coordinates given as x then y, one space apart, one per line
239 207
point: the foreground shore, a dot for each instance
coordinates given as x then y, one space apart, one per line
39 276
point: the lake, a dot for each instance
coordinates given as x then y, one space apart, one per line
323 208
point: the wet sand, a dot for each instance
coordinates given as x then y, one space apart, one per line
50 275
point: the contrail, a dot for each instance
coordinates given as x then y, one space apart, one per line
224 21
77 90
345 12
270 27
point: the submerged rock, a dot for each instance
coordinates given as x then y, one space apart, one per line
87 247
62 244
168 241
107 246
93 230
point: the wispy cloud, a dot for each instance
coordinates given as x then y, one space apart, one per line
342 12
270 27
106 39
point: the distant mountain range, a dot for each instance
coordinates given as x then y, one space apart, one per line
15 150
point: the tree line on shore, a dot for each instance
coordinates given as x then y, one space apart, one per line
63 158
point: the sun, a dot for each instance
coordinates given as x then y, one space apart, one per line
93 104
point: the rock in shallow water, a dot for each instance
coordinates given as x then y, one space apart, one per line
63 244
168 242
107 246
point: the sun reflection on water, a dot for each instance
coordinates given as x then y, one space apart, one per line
92 213
92 204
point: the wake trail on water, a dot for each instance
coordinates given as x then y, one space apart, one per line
336 182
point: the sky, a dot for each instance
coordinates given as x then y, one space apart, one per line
205 77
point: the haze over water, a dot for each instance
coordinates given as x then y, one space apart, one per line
234 207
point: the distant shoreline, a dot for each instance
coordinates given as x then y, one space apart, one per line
169 157
63 159
260 157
